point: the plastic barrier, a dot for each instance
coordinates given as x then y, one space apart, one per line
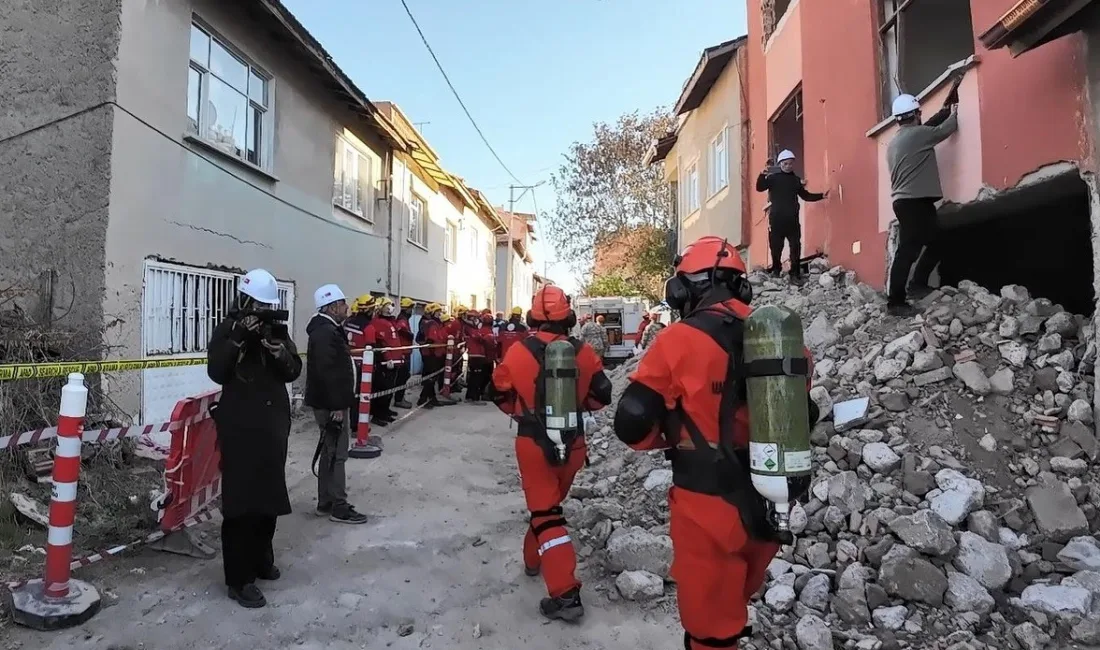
192 472
57 601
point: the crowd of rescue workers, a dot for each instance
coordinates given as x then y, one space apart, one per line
687 397
720 547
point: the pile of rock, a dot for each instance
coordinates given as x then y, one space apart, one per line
958 515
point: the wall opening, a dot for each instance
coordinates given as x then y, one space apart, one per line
787 133
920 41
1039 236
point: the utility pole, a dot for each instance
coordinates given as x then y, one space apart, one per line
512 198
419 126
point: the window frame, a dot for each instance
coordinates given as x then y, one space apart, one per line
421 240
365 206
713 186
692 200
266 142
450 246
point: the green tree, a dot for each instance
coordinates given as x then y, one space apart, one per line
612 285
605 189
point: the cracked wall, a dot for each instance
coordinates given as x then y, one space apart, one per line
55 149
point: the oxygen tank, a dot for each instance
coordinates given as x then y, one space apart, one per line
560 377
779 428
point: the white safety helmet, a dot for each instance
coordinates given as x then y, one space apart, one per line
261 286
327 295
786 154
904 105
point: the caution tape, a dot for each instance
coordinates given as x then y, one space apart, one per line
100 435
24 371
412 383
99 556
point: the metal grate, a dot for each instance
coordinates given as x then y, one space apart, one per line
181 307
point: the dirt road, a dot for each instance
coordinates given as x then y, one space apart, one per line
441 553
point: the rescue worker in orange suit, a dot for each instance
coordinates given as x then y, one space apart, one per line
517 389
457 329
360 331
513 331
477 349
431 332
722 536
404 333
387 360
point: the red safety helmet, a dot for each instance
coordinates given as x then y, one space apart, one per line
705 264
709 253
551 305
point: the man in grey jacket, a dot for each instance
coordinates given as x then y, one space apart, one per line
915 189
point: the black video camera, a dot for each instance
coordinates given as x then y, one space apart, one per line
273 323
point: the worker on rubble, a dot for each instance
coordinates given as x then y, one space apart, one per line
547 467
433 334
252 357
687 387
404 333
915 188
593 333
785 188
387 361
478 339
513 331
331 392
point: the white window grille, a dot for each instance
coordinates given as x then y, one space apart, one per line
228 100
181 307
352 187
718 164
450 252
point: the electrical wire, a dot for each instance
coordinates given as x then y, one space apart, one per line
455 93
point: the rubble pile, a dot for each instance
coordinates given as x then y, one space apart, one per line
958 513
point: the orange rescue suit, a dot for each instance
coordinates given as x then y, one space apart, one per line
716 565
547 544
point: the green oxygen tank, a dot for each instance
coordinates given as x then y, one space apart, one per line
560 391
779 421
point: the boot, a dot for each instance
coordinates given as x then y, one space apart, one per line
248 596
403 404
270 573
901 310
566 607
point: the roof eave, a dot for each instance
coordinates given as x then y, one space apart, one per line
1031 23
712 63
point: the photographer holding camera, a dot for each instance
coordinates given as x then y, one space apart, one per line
252 357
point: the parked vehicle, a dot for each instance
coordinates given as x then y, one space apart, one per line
622 318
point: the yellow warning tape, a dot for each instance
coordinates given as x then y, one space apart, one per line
19 371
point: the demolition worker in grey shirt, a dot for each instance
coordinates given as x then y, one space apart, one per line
915 189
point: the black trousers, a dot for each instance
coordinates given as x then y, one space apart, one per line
427 386
789 231
246 548
384 379
402 379
481 370
917 243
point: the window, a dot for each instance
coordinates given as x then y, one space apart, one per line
920 40
352 188
228 100
418 222
718 164
691 189
773 11
450 251
182 305
472 238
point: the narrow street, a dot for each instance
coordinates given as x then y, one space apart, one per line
441 553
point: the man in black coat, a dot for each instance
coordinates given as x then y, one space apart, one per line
252 357
784 188
330 392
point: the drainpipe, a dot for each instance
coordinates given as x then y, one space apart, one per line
388 166
400 227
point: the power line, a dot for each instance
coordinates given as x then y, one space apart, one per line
455 92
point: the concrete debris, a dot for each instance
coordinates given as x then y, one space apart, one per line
954 500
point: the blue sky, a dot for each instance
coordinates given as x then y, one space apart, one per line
535 74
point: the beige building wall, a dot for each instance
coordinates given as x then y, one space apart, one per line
719 210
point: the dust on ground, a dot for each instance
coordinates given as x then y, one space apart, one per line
441 553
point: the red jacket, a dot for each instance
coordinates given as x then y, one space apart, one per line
455 329
432 332
386 337
477 343
361 332
513 332
404 333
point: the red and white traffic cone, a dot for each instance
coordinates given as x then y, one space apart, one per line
58 601
448 370
362 447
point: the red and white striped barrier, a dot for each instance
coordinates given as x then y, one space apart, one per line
99 435
447 368
57 601
361 447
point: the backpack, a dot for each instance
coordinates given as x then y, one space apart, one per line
533 421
